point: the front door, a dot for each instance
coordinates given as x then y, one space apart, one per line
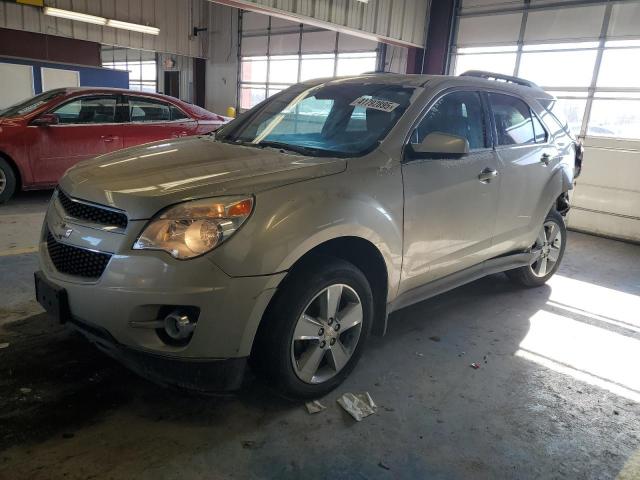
450 203
88 127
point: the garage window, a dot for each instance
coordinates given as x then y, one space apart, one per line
276 54
581 54
141 65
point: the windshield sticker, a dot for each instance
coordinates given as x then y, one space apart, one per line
368 102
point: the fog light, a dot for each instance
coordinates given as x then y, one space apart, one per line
178 325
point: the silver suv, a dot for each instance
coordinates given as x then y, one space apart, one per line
289 237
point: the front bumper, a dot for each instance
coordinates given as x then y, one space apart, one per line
202 375
137 285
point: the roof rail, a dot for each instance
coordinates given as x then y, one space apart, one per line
499 76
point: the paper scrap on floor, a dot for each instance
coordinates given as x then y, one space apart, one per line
359 405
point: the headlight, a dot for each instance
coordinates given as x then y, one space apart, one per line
196 227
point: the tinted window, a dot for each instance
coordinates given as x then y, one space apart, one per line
513 120
88 110
146 110
458 113
177 114
541 134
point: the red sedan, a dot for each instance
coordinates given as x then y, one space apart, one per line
42 137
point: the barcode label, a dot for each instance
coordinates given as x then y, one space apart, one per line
382 105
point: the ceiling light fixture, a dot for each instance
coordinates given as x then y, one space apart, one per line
80 17
135 27
84 17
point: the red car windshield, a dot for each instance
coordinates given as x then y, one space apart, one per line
28 106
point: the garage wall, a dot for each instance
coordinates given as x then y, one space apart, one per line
222 63
87 76
175 18
587 54
395 21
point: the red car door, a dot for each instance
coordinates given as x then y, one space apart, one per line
151 120
87 127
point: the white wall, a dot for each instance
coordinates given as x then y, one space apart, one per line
175 18
606 199
222 63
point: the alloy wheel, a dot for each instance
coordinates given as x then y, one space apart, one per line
326 334
547 249
3 181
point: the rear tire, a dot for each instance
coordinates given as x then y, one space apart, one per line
549 247
8 181
315 329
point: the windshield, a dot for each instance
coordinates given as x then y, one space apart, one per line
29 105
345 119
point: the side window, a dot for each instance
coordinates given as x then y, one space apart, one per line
457 113
148 110
87 110
513 120
177 114
541 134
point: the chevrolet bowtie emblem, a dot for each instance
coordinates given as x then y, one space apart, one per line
63 231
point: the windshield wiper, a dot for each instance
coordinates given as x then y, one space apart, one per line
294 148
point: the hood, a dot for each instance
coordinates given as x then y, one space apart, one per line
142 180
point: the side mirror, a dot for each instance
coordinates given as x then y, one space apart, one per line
439 145
46 120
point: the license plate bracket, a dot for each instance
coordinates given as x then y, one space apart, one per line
53 298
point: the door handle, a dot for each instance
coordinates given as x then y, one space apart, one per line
107 138
184 133
545 158
487 175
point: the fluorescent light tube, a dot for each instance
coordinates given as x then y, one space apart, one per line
83 17
68 14
136 27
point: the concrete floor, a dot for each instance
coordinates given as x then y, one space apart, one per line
556 395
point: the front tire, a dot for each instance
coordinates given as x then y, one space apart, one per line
549 248
8 181
314 331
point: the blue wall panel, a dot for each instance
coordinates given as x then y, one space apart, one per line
89 76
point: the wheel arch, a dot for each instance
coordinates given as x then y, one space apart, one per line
356 250
15 168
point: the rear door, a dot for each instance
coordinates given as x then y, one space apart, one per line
450 211
526 158
153 119
89 126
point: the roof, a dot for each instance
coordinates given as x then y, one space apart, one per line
117 90
478 79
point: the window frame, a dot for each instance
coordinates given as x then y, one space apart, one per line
494 129
169 104
489 134
117 116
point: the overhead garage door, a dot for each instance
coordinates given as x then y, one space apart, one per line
587 56
276 54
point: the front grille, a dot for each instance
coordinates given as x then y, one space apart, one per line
76 261
95 214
